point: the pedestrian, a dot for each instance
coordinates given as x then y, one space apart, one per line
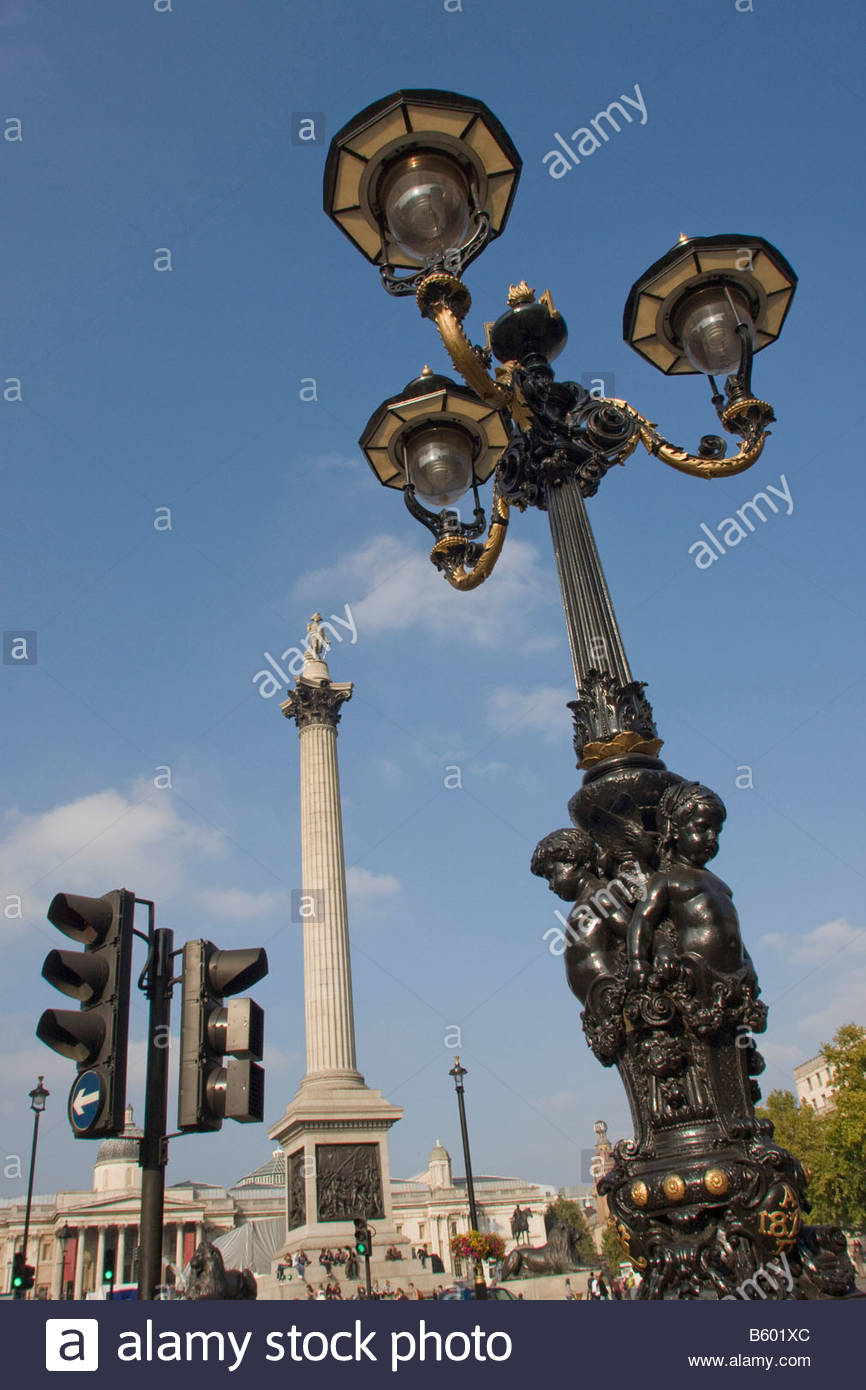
423 1257
569 1291
857 1253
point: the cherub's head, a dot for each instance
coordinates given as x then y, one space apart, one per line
564 858
690 819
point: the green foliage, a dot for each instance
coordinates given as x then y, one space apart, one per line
568 1213
833 1144
612 1248
846 1126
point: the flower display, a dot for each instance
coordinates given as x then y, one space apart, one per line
478 1245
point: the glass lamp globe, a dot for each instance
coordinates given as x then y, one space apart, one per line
706 325
426 202
439 462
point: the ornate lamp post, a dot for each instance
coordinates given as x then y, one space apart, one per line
458 1073
421 181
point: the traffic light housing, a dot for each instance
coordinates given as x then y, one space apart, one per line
220 1044
99 977
22 1274
108 1271
363 1242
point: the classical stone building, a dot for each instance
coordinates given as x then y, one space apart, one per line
433 1206
814 1082
70 1232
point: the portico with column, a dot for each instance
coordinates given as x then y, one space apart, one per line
334 1132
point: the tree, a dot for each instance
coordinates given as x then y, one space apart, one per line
832 1145
566 1213
612 1248
846 1127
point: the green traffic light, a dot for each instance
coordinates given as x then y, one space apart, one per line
17 1282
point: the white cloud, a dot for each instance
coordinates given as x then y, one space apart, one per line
365 886
241 905
391 586
542 710
98 842
824 986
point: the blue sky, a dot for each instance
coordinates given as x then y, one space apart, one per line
144 389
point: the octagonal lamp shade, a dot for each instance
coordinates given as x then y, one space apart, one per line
406 177
681 315
437 435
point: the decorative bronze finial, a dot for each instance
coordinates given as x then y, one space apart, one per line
520 294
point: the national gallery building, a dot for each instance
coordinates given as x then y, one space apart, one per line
70 1232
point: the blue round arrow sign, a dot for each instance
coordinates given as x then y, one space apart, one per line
85 1101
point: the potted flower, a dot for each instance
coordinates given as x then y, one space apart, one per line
478 1245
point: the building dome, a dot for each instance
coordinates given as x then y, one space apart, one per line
271 1174
116 1163
125 1146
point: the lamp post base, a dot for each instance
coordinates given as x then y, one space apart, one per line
704 1201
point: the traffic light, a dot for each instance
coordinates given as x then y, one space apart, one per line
108 1266
220 1045
22 1274
96 1036
362 1237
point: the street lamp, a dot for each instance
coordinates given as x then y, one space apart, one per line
38 1097
63 1235
458 1073
421 182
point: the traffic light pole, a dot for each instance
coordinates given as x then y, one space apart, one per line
154 1144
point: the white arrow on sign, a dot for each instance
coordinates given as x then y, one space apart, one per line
82 1100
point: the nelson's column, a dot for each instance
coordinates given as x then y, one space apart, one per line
335 1131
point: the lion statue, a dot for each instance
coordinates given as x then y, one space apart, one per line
209 1278
558 1256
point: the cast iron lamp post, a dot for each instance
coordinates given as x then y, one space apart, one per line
38 1097
63 1235
458 1073
421 182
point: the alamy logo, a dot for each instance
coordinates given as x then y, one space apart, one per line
71 1344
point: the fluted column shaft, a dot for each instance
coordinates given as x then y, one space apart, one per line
593 632
330 1019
